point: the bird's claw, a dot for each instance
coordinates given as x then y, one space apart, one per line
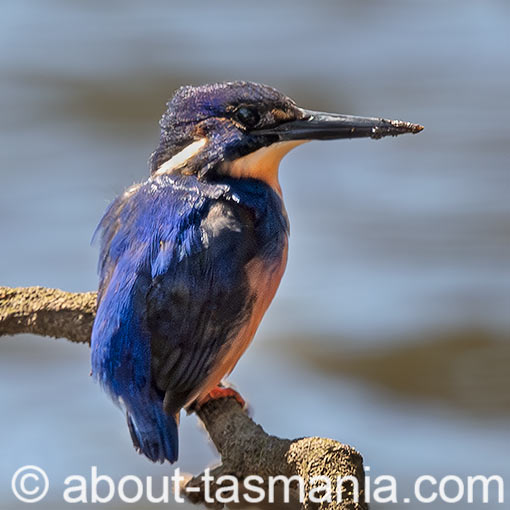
220 391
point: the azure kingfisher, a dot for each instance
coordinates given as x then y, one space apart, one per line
191 258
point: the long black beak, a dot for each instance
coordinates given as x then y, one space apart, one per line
332 126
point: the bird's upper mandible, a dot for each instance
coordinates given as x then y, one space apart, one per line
207 128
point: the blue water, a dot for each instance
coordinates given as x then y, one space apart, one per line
392 241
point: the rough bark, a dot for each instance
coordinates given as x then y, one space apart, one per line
245 448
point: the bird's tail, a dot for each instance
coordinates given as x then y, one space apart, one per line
154 434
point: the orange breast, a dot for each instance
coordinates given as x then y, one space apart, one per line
264 280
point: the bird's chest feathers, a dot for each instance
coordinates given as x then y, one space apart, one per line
261 164
263 280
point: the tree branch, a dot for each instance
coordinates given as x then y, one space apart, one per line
245 448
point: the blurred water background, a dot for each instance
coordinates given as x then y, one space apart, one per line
391 328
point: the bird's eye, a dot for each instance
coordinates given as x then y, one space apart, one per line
247 116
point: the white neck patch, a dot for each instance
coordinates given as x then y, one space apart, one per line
182 157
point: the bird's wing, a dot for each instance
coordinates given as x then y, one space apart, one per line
183 254
199 300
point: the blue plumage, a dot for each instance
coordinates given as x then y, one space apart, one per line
191 258
171 281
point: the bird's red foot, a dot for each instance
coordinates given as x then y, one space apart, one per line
221 392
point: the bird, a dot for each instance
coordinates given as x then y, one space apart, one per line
191 258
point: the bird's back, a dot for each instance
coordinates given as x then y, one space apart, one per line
187 270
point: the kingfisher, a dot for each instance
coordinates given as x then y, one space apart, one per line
191 258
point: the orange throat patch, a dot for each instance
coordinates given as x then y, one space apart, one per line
262 164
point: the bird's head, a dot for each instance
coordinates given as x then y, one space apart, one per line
243 129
